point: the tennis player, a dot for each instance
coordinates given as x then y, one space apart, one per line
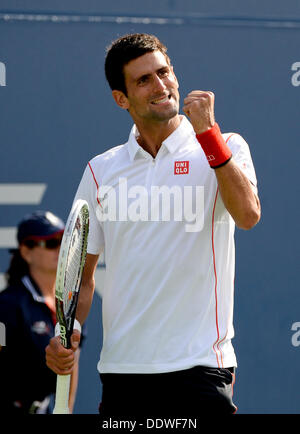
165 206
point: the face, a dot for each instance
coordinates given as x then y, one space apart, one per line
152 89
40 258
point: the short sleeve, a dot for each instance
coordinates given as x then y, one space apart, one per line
88 190
241 155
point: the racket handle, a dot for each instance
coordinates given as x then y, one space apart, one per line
62 395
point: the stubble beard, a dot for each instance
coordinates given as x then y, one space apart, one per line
166 115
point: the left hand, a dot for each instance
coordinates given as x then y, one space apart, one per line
199 107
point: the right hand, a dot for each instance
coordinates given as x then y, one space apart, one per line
60 359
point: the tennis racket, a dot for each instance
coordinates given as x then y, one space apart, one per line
71 261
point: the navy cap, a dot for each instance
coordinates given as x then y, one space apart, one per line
39 225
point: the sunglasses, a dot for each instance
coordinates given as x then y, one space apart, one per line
50 244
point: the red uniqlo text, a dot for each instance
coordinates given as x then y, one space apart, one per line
181 167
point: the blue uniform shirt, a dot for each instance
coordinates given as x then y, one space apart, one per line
29 323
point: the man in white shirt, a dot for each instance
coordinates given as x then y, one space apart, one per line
164 205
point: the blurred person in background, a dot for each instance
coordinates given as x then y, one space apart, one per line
27 309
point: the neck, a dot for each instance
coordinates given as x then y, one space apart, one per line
45 282
151 136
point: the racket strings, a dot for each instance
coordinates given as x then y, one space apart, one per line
73 268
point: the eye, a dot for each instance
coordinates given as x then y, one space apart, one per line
163 72
143 80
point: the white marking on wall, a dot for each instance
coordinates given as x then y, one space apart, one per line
8 237
21 194
2 74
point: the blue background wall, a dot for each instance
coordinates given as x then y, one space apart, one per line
56 112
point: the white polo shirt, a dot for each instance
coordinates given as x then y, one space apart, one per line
169 252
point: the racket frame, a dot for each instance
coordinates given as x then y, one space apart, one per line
66 319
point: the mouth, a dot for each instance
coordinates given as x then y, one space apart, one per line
162 100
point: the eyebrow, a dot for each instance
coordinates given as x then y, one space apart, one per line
144 76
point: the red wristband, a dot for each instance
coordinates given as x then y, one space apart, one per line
216 150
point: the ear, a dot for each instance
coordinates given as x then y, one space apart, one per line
175 78
25 253
121 99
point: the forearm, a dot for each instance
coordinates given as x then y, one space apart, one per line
87 288
74 382
85 300
238 195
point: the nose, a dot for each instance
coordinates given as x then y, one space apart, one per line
159 84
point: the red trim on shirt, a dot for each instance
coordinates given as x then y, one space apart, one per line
216 277
97 185
232 134
218 341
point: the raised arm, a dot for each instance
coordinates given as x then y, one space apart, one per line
237 193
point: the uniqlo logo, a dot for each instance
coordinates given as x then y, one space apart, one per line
181 167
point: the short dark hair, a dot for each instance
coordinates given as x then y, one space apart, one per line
127 48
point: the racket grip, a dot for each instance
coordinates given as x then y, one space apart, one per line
62 395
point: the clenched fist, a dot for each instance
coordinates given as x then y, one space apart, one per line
199 107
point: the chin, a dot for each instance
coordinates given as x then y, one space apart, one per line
167 115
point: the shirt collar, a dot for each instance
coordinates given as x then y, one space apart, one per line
172 142
132 144
32 288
